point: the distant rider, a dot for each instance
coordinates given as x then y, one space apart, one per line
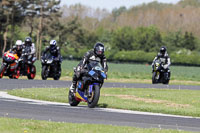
28 53
164 58
96 54
29 49
54 50
18 48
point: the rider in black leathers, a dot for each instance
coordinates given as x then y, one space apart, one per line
165 59
31 50
54 50
95 54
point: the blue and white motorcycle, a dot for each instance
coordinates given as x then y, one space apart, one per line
88 88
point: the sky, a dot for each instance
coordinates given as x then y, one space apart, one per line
111 4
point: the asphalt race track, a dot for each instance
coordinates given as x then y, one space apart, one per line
15 107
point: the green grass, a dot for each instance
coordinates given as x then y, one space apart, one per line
11 125
133 72
178 102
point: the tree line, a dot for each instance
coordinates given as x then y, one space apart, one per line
20 18
139 31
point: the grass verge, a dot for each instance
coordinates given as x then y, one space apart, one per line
11 125
177 102
131 73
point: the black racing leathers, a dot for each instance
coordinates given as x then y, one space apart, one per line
54 52
90 55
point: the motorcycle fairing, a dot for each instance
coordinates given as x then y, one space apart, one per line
80 95
91 72
103 75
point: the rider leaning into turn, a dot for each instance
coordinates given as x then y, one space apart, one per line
54 50
165 59
96 54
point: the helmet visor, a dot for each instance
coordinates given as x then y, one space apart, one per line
52 47
19 47
99 50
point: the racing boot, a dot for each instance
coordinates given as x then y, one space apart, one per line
73 87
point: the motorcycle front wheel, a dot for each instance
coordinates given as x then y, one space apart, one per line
154 80
31 73
2 70
93 100
44 73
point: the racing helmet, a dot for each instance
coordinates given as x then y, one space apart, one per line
19 44
53 44
28 41
99 49
163 50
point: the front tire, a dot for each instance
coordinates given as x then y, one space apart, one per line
2 70
154 81
44 73
93 100
72 100
31 73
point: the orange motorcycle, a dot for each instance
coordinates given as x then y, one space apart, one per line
9 65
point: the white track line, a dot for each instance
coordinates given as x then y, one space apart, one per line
40 102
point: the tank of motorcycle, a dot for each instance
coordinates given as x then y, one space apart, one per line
9 59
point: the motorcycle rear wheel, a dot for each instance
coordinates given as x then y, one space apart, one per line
57 74
93 100
166 82
72 100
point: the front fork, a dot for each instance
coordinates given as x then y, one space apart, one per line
90 90
157 75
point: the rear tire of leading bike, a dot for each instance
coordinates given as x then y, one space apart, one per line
72 100
58 74
56 77
93 100
166 82
44 73
2 70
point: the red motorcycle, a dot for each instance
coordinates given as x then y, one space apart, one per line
9 65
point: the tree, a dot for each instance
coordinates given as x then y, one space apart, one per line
47 11
12 13
123 38
74 34
189 41
118 11
147 39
